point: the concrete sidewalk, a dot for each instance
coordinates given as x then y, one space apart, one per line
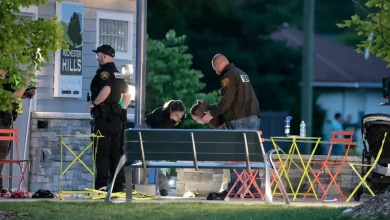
277 201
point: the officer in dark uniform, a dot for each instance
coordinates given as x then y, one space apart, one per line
108 88
7 118
238 103
238 99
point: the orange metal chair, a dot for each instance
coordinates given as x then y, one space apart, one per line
248 179
22 164
346 141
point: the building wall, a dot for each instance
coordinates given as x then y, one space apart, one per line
352 101
33 141
355 102
46 102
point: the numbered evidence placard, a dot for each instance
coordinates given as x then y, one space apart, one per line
68 63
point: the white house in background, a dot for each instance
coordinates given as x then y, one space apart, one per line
347 82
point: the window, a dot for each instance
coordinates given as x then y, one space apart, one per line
116 29
24 17
30 13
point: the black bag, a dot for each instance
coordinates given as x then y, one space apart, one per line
45 194
216 196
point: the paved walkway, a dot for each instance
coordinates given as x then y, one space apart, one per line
277 201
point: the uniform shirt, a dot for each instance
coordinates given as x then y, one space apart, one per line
108 75
8 86
238 99
161 118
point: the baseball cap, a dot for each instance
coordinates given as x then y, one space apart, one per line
105 49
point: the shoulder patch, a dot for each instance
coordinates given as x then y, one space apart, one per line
118 75
225 82
244 78
104 75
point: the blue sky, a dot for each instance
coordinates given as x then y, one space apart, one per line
68 9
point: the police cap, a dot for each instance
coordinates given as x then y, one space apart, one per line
105 49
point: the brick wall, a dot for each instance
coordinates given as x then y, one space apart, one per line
45 152
206 181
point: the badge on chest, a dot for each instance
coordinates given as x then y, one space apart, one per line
104 75
225 83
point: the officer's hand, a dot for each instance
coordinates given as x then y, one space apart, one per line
207 117
90 105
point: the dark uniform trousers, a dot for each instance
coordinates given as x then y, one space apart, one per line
109 151
5 123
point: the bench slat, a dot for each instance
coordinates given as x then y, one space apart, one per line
201 165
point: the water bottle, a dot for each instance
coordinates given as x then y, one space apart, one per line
302 129
287 126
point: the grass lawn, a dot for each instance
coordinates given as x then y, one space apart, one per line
188 211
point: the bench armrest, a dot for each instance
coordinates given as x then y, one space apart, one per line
269 155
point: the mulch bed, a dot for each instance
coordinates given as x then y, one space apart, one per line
374 207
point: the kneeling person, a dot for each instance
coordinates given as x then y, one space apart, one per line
171 115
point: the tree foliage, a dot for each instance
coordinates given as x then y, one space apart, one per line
74 30
374 20
240 30
25 45
169 74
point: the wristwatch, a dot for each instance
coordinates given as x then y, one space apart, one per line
93 103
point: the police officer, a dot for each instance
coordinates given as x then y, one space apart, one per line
7 118
238 102
108 88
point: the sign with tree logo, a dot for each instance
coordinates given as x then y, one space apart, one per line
68 77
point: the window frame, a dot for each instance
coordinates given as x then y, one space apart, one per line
119 16
30 11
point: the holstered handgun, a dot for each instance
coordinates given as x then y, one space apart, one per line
104 110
